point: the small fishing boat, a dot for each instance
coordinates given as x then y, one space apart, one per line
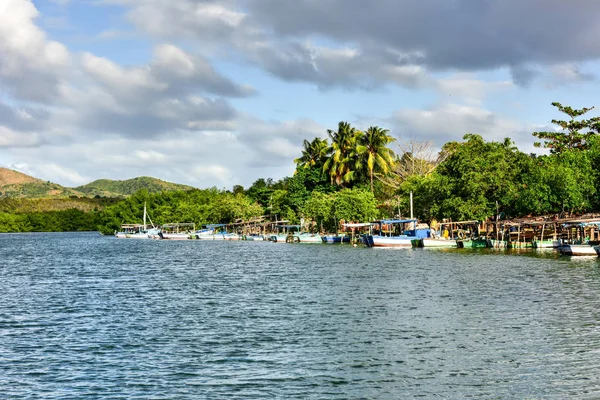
306 237
280 238
330 239
577 249
403 240
284 233
545 244
177 231
137 231
434 242
204 234
253 237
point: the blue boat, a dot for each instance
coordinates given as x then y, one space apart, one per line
403 240
331 239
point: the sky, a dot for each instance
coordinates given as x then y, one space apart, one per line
223 92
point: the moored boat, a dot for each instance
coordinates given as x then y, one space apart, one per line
545 244
137 231
577 249
402 240
306 237
280 238
178 231
433 242
335 239
173 236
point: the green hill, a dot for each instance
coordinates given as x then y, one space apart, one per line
110 188
15 184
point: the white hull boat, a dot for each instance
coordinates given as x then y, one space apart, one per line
545 244
392 241
431 242
174 236
577 250
307 238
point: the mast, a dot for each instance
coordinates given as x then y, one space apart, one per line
144 215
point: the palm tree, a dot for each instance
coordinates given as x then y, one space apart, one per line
341 164
373 151
314 153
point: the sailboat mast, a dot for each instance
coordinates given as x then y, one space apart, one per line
144 215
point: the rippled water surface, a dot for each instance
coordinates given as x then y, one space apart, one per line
88 316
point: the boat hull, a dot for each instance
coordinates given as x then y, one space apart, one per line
307 239
577 250
545 244
279 238
389 241
429 242
174 236
138 236
335 239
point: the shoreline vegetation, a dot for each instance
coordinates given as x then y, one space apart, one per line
361 176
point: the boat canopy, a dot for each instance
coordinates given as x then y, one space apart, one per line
395 221
211 226
358 225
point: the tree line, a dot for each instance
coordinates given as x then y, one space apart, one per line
355 175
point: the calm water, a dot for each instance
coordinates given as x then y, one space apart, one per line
87 316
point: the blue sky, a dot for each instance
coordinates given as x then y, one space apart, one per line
222 92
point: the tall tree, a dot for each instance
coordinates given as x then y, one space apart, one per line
575 134
342 162
313 153
374 153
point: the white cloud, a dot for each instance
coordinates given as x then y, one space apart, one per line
31 66
467 88
450 122
10 138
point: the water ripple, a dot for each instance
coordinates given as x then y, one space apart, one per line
86 316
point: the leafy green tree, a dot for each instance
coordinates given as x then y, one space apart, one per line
475 175
575 134
342 163
354 205
319 208
261 191
313 153
374 153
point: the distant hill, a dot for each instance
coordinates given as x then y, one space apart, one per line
110 188
18 185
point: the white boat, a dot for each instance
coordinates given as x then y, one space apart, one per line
545 244
210 233
174 231
577 250
306 237
251 238
434 242
280 238
136 231
204 234
404 240
392 241
147 234
174 236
